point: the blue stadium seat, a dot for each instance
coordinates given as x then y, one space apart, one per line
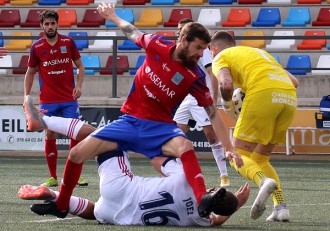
163 2
138 64
297 17
80 43
276 57
221 2
90 61
126 14
267 17
1 40
49 2
299 61
128 45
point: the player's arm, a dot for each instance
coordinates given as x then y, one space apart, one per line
293 79
242 196
80 78
28 80
107 11
214 84
221 131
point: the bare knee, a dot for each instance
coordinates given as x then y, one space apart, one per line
75 156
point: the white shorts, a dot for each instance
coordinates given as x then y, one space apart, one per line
188 110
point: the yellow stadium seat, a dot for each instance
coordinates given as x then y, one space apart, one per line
191 2
151 17
257 43
19 44
22 2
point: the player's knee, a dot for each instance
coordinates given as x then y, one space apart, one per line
75 156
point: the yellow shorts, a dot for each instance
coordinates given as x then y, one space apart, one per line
266 116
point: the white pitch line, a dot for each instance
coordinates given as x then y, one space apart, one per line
50 220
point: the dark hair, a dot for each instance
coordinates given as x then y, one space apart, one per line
226 206
185 20
223 36
48 14
193 30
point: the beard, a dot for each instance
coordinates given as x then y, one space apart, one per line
51 35
187 61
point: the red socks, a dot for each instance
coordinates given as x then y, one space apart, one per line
193 174
51 157
71 176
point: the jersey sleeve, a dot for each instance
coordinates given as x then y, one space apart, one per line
207 58
74 51
218 63
33 59
200 91
144 39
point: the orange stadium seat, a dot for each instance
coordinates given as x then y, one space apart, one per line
238 17
91 18
32 19
77 2
23 65
122 63
191 2
134 2
313 44
10 18
20 44
2 2
166 34
150 17
176 15
323 18
67 17
22 2
257 43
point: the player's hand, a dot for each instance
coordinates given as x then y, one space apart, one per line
229 108
233 156
242 194
76 92
106 10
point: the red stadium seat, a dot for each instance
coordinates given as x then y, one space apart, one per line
10 18
134 2
91 18
67 17
77 2
166 34
176 15
309 1
323 18
312 44
238 17
23 63
32 19
122 62
250 1
2 2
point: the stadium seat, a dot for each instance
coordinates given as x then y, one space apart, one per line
128 45
257 43
250 1
77 2
237 17
23 64
67 17
299 61
191 2
125 13
22 2
90 62
10 18
297 17
98 2
91 18
209 17
166 34
150 17
309 1
313 44
279 1
221 2
282 43
122 62
267 17
323 18
49 2
102 45
32 19
134 2
163 2
2 2
176 15
138 64
323 62
1 40
19 44
6 61
80 43
277 58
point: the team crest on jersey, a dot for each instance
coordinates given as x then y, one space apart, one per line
63 50
177 78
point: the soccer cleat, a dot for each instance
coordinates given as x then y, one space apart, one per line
280 213
48 208
29 192
224 181
209 200
51 182
259 205
82 182
34 116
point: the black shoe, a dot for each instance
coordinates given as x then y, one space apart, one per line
48 208
210 201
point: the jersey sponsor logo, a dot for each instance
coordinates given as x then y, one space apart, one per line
283 98
165 67
56 72
158 82
149 94
65 39
55 62
159 43
177 78
39 45
52 51
63 50
191 72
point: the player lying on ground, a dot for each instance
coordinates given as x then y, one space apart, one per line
127 199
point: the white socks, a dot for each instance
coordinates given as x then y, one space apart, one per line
77 204
219 156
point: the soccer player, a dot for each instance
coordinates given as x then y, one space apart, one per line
267 111
167 75
190 114
52 57
127 199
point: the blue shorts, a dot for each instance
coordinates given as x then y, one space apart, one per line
65 110
138 135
